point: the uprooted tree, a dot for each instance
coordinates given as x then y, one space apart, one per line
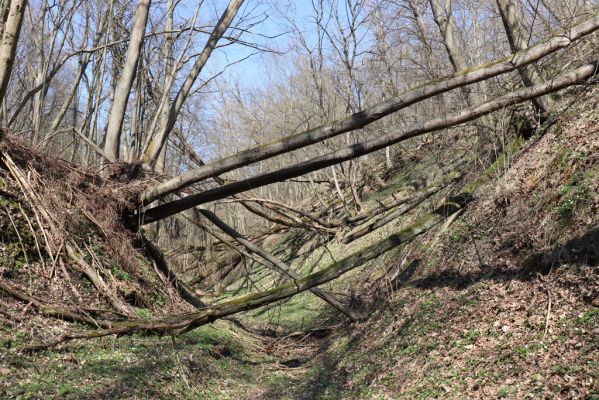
100 203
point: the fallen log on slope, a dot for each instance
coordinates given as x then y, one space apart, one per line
280 265
372 114
185 322
518 96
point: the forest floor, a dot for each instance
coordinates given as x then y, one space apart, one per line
497 337
500 302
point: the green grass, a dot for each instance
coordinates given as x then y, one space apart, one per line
415 175
300 312
588 319
194 366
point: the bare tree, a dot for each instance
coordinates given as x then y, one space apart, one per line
10 37
83 64
518 38
155 143
125 82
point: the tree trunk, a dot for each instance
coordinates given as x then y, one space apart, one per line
83 63
280 265
156 143
518 39
374 113
10 38
360 149
446 24
125 82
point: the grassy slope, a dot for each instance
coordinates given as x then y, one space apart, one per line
466 321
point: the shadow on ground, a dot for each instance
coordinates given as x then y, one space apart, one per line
330 380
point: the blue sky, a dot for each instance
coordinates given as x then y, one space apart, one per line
271 33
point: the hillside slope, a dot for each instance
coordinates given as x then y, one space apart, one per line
505 301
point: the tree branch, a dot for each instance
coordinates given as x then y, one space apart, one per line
360 149
366 117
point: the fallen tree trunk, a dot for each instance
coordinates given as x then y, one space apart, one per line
280 220
282 208
368 116
415 202
396 202
53 311
360 149
280 265
186 322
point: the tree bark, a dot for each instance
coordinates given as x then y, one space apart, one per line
366 117
360 149
125 82
518 40
10 38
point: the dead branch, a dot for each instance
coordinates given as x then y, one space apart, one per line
412 204
53 311
280 265
189 321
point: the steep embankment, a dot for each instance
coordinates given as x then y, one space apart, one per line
502 303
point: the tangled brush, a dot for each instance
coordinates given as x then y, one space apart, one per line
79 260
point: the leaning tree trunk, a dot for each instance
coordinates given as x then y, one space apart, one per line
560 82
276 262
157 142
363 118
